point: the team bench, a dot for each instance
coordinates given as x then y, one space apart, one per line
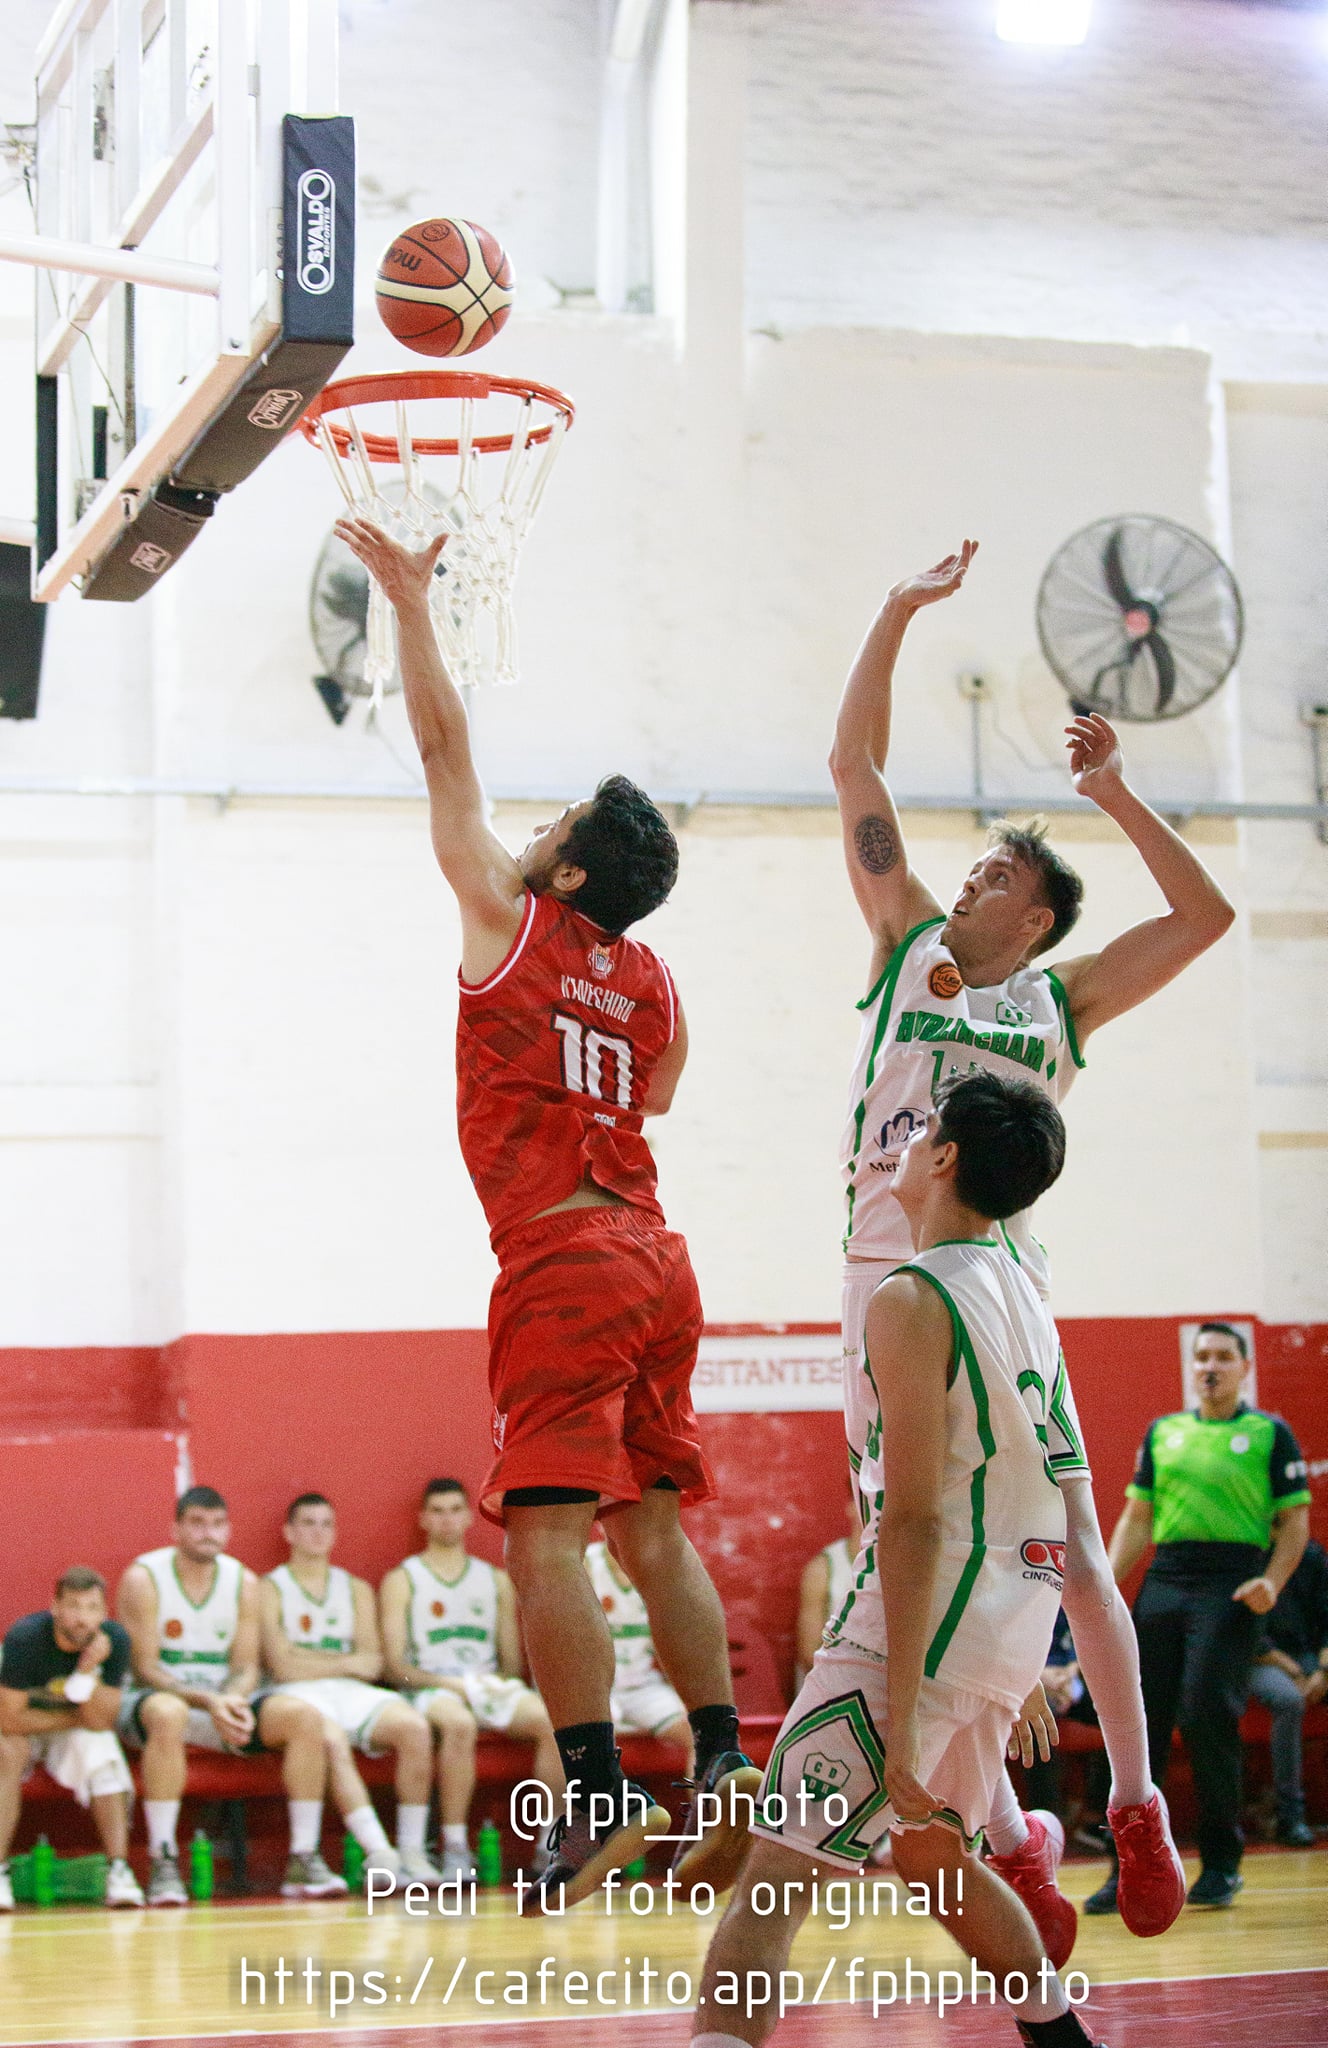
1255 1728
228 1784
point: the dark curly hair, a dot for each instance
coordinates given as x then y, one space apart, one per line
1061 888
1010 1137
628 852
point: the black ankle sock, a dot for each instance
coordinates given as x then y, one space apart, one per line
714 1729
590 1757
1065 2032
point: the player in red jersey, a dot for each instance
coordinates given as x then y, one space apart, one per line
568 1035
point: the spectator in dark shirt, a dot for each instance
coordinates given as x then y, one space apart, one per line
1290 1674
60 1678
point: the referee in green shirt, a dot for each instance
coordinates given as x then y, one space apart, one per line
1222 1494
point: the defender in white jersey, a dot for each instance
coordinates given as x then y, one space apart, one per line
642 1700
904 1719
450 1641
192 1616
320 1643
966 992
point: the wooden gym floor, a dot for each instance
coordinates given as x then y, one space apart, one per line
1257 1974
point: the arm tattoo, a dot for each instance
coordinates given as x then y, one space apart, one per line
877 846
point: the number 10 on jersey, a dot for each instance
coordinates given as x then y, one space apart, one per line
584 1050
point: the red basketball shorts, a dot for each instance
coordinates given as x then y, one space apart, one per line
593 1328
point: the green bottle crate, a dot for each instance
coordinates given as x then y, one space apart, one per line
79 1880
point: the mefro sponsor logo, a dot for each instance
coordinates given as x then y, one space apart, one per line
316 232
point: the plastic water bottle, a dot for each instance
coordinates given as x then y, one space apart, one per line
43 1873
352 1863
201 1877
489 1854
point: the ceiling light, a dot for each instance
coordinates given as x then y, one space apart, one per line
1042 21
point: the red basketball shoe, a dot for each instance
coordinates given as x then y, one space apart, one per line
1031 1872
1150 1889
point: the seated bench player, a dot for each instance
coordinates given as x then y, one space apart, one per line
60 1676
192 1616
642 1700
319 1630
450 1641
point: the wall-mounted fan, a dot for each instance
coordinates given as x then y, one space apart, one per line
1139 618
338 612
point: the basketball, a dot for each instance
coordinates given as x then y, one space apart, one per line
444 287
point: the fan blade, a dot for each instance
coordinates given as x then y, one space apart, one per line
1166 668
1115 574
1097 691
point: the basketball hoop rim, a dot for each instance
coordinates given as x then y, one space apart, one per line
395 386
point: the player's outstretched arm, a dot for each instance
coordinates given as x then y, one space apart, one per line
889 894
1100 986
908 1345
487 881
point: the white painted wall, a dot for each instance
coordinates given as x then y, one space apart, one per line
1164 182
225 1066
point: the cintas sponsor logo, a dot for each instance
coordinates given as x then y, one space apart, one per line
1043 1559
316 232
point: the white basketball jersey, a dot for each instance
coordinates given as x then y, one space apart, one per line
452 1629
1001 1566
195 1639
629 1624
326 1624
920 1024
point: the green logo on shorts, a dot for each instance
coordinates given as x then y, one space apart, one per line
822 1775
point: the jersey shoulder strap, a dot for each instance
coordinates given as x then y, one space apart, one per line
882 990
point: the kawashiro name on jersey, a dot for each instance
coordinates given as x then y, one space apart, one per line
606 999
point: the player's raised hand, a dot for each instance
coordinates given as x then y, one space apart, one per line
929 586
401 573
94 1653
1096 766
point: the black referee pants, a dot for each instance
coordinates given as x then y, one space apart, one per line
1196 1646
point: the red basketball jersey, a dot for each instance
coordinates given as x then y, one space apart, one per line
554 1056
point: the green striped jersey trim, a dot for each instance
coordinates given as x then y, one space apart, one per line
964 1355
895 962
884 992
1067 1020
1074 1459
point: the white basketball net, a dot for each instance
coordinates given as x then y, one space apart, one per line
484 500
